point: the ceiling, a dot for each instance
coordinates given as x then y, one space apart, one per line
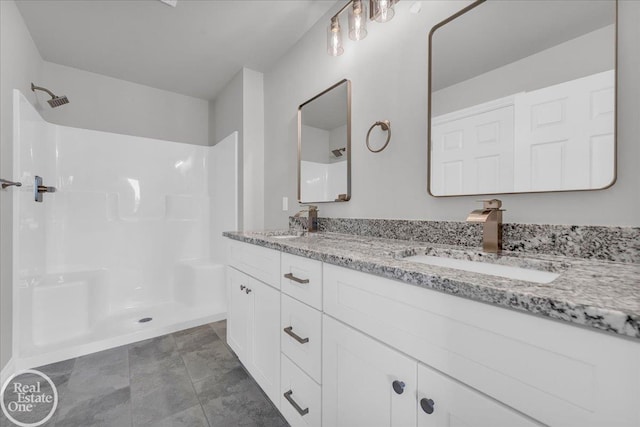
498 32
328 111
193 49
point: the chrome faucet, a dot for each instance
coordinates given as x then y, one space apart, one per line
312 218
491 218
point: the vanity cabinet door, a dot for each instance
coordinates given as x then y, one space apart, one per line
443 402
365 383
238 312
253 329
263 362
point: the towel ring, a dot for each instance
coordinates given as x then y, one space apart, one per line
384 125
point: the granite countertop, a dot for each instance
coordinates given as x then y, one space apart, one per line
598 294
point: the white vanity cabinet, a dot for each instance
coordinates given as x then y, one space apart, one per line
238 303
337 347
365 383
301 341
444 402
253 329
554 373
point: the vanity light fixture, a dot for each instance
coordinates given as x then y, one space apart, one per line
334 38
379 10
382 10
357 20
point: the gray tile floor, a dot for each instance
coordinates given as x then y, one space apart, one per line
188 378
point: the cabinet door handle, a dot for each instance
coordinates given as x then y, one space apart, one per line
427 405
247 291
290 276
242 287
289 331
398 386
297 407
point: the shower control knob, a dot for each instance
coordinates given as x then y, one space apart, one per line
247 291
427 405
398 386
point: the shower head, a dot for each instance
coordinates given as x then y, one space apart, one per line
55 101
338 152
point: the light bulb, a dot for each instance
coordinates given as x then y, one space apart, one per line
385 11
357 20
334 38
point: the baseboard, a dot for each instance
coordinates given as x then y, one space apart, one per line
7 371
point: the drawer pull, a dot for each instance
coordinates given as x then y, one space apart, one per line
297 407
247 291
290 276
289 331
242 287
398 386
427 405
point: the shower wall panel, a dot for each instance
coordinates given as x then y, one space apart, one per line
132 205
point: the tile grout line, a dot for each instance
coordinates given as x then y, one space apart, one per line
191 382
130 391
56 415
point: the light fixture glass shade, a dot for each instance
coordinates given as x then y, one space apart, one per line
358 20
334 38
384 10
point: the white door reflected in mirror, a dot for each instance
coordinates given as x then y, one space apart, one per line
528 106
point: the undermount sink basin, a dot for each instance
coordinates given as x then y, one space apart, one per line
525 269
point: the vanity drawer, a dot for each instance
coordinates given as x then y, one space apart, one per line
302 279
256 261
555 373
301 330
297 389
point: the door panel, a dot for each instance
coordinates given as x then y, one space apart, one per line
264 363
358 376
453 404
238 312
565 135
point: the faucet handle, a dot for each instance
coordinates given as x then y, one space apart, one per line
491 203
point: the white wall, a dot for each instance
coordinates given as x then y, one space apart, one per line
316 144
388 71
338 140
562 63
223 194
20 63
239 107
103 103
254 149
225 112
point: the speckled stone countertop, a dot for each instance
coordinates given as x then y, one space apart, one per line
598 294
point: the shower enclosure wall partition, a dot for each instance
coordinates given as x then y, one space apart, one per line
132 233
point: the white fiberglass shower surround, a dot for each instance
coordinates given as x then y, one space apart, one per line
132 232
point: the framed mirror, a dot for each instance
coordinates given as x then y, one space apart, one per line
324 146
522 98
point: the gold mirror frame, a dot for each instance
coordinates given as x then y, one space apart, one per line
346 197
429 90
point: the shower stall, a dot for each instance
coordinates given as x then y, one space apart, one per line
128 246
